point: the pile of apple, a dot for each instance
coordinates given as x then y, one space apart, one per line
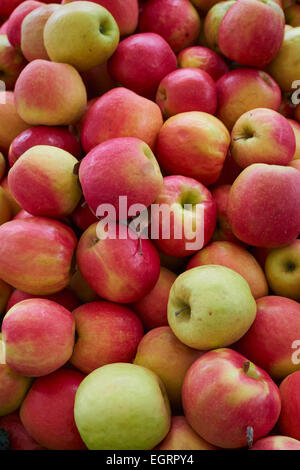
129 342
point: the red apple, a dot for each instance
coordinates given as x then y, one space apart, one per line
83 216
65 297
290 410
19 439
16 19
276 443
204 59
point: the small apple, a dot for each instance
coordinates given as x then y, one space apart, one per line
204 59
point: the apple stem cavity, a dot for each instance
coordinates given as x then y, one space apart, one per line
246 366
181 310
249 434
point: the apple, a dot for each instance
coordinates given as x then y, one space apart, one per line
124 167
65 297
5 292
82 289
51 94
182 437
47 412
14 124
296 128
262 136
285 68
13 387
2 166
276 443
19 439
11 62
69 24
161 352
122 407
223 230
188 89
204 59
43 135
290 410
152 308
5 208
48 171
38 337
137 117
36 255
97 81
191 214
244 89
83 216
16 19
225 253
193 144
269 342
210 307
32 30
177 21
226 398
212 23
14 206
203 5
282 270
263 207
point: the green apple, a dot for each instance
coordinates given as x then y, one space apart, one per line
122 406
83 34
210 307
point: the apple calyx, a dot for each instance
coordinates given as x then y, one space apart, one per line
249 435
181 310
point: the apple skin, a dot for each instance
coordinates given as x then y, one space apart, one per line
263 207
65 297
24 243
82 289
137 117
290 410
221 400
11 62
282 270
202 311
276 443
176 192
161 352
16 19
83 216
152 308
177 21
121 269
262 136
14 206
19 439
49 171
129 394
38 335
296 128
51 94
5 209
269 341
225 253
70 23
43 135
47 412
32 30
106 333
251 32
5 292
188 89
141 61
212 23
193 144
204 59
241 90
14 124
182 437
124 166
223 230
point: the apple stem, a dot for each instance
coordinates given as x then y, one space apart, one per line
246 366
249 434
181 310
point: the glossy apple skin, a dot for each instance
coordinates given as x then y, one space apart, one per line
47 413
188 89
15 21
204 59
179 190
290 410
234 257
230 400
262 207
276 443
193 144
24 243
19 439
152 308
118 167
241 90
141 61
251 32
102 123
182 437
43 135
121 270
296 128
107 333
65 297
51 94
11 62
14 125
39 337
269 341
223 231
161 352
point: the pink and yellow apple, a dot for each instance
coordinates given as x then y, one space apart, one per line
276 443
204 59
